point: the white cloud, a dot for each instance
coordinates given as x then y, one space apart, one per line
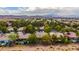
57 11
68 11
39 3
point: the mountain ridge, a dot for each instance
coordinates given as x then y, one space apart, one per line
37 16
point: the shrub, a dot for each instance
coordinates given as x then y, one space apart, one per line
54 39
32 39
47 28
77 33
3 29
65 40
58 27
13 36
30 28
15 29
46 39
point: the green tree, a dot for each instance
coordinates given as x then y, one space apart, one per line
38 23
15 29
58 28
16 23
46 39
77 33
3 23
30 28
13 36
3 29
47 28
54 39
65 40
32 39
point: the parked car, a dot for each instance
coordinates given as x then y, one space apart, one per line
8 43
78 40
21 42
74 40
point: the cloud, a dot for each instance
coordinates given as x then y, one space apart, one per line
68 11
56 11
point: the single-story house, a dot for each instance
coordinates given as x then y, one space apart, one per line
58 34
72 36
10 29
9 23
3 36
23 36
40 34
20 29
41 29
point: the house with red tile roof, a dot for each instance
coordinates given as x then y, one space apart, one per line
72 36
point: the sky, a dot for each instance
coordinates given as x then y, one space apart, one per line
40 7
32 11
39 3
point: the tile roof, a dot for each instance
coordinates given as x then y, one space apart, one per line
71 34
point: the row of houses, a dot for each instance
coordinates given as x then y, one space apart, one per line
4 38
39 34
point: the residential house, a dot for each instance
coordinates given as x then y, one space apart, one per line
23 36
9 23
20 29
58 34
40 34
10 29
72 36
41 29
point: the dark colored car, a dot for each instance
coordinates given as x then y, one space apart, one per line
21 42
8 43
78 40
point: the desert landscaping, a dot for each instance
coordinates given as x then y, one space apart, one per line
34 34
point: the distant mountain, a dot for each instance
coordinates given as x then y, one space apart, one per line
25 12
13 16
36 16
